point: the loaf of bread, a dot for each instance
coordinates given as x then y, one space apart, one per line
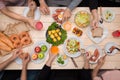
4 47
6 40
97 32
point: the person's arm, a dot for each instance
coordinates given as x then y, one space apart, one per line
45 72
68 10
44 7
74 4
13 15
95 71
26 60
24 73
5 63
93 5
29 1
12 58
99 65
86 71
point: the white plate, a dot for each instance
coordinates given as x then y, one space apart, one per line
40 44
110 19
93 47
65 61
18 60
77 53
108 46
37 13
97 40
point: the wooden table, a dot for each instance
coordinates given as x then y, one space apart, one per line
112 62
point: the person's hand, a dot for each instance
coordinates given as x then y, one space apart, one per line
26 59
51 58
16 53
32 5
44 8
66 14
94 23
31 22
86 61
101 61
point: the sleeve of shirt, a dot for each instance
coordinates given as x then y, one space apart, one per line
2 5
74 4
93 4
44 73
86 74
97 78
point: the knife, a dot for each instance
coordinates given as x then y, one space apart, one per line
74 62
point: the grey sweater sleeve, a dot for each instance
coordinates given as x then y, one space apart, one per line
74 4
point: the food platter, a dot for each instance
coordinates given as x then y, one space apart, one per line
82 19
108 15
90 51
97 39
55 35
72 47
40 55
36 13
108 46
58 15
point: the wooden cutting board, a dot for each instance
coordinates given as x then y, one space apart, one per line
15 28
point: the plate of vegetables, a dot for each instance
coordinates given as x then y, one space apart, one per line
82 19
108 15
62 60
72 47
55 35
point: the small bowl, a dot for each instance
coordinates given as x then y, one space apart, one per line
39 25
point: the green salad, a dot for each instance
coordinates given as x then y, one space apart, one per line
60 60
55 35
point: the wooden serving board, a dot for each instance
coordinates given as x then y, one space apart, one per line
15 29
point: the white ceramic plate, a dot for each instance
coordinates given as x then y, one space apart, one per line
93 47
18 61
77 53
108 46
40 44
65 61
97 40
110 18
37 13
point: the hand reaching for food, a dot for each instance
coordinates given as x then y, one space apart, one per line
32 8
44 7
32 23
53 52
66 15
26 58
94 23
16 53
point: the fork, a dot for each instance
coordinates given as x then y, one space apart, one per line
101 19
